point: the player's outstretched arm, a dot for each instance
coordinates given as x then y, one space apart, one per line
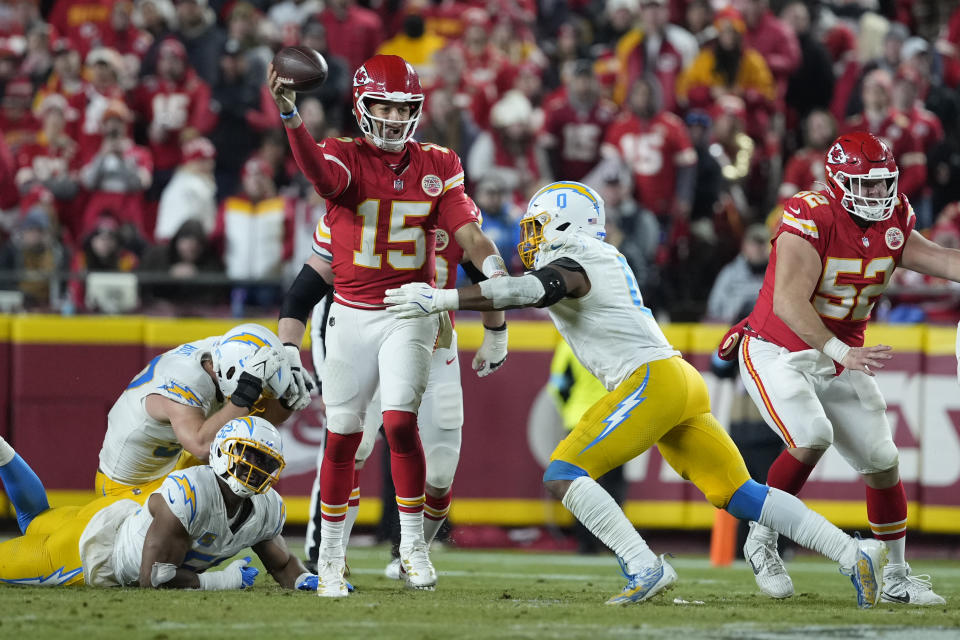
923 256
798 273
541 288
480 250
285 567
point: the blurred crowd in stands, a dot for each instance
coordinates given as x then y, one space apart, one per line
138 137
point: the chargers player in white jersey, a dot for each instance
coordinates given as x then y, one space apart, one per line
196 519
180 400
654 396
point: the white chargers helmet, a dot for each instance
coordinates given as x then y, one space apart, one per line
242 342
557 211
248 454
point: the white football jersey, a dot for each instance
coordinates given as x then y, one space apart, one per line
138 449
194 497
609 329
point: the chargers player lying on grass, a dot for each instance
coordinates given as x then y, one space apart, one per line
655 397
197 518
169 413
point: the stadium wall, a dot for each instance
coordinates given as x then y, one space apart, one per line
59 376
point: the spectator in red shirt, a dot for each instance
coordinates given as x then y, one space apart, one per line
483 61
576 125
176 106
805 167
775 41
17 124
104 67
880 118
65 77
445 123
81 21
118 175
924 125
53 160
122 36
655 146
353 33
477 98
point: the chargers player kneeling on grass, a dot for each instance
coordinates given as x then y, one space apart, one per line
199 517
654 396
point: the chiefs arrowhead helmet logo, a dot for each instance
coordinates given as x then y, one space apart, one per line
837 155
361 78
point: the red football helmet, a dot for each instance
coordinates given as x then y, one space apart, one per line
386 79
862 174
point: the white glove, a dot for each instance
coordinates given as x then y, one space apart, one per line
298 394
237 575
418 300
263 364
492 352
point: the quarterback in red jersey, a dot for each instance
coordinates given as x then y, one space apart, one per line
386 196
802 356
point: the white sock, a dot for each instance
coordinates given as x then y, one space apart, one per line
430 528
6 452
411 525
897 550
788 515
351 519
331 540
600 513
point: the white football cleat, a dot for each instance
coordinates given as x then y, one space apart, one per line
416 569
330 582
646 584
393 569
902 588
760 552
866 574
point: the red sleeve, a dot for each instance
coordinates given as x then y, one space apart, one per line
202 117
801 219
323 164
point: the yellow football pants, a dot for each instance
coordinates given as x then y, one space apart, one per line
104 486
666 403
48 554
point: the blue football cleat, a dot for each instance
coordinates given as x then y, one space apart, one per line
867 572
646 584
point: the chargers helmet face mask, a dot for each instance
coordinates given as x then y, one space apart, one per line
248 454
862 174
385 78
554 213
240 343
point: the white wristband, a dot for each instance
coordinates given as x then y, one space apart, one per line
836 349
494 266
220 580
446 300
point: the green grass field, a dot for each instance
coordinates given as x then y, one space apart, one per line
491 594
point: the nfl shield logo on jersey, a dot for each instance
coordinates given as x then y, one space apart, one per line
398 184
894 238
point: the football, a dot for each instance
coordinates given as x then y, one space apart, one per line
300 68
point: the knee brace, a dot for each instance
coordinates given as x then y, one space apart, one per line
441 465
560 470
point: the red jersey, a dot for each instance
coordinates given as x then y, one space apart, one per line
925 127
803 169
379 229
653 149
178 105
578 135
87 129
42 161
895 130
856 266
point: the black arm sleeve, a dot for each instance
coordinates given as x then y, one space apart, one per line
553 282
306 291
476 276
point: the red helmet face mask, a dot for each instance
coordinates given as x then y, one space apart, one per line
862 174
387 79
